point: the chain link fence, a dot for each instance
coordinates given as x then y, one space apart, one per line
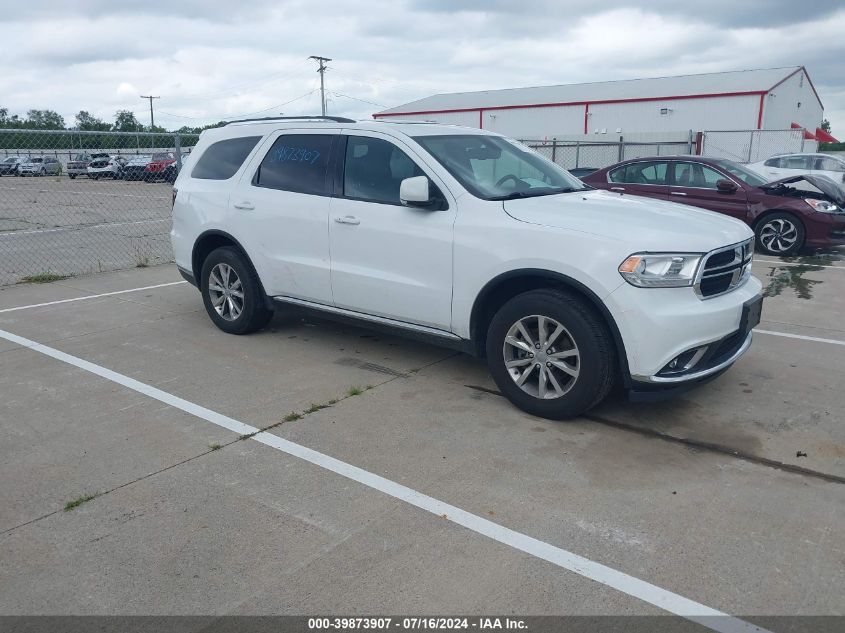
74 202
598 154
750 146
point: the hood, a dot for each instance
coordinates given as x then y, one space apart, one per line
824 184
647 224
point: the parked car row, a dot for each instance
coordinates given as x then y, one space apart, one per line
30 166
149 167
786 214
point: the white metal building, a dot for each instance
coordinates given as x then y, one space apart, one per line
766 99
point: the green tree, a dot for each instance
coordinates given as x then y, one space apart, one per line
826 126
44 120
88 122
125 121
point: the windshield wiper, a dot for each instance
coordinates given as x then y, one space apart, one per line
534 193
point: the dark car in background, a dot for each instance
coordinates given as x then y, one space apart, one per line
136 167
10 166
786 214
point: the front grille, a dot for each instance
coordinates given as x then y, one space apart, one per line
725 269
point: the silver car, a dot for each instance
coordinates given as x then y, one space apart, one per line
39 166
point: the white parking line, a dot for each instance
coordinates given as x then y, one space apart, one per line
777 263
652 594
102 294
81 227
801 337
87 193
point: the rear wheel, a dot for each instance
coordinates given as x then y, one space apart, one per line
232 293
780 234
550 354
71 176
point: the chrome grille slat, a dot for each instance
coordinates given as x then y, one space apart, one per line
717 277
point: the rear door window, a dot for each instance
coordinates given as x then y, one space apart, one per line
223 159
644 173
297 162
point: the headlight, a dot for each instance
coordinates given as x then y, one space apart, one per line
660 270
822 206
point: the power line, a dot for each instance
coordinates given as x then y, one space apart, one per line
237 116
321 61
339 94
228 92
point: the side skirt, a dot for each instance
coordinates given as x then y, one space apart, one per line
422 333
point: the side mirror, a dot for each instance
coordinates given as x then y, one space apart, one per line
414 192
726 186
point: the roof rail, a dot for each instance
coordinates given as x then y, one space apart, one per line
337 119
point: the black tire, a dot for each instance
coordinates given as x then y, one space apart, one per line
597 356
71 176
254 314
784 224
43 172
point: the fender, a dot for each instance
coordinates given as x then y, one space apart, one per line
560 280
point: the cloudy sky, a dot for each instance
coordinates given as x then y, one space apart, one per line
210 60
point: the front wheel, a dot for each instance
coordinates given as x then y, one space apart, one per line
71 176
551 354
780 234
232 293
43 172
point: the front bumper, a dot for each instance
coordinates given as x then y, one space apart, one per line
658 325
827 229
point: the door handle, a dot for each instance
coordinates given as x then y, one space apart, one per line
677 193
347 219
246 206
617 188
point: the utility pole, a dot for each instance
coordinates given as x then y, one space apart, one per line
322 70
152 118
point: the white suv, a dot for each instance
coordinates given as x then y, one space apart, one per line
468 239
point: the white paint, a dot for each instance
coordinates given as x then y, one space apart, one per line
652 594
80 227
801 337
102 294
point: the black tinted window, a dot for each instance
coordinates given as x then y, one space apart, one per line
222 159
374 169
296 162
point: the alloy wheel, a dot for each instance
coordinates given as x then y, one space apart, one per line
778 235
541 357
226 291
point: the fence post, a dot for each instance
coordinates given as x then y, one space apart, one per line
689 144
177 144
621 148
577 152
554 149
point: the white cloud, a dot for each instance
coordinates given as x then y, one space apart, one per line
208 61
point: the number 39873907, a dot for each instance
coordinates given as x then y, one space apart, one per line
286 153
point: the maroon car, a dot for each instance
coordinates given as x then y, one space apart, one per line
785 214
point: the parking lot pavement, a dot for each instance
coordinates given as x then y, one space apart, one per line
72 227
182 526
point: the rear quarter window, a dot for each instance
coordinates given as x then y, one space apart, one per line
222 159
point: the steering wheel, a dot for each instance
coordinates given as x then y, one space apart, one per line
504 179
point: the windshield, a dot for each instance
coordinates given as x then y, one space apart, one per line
11 159
35 160
495 168
745 175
